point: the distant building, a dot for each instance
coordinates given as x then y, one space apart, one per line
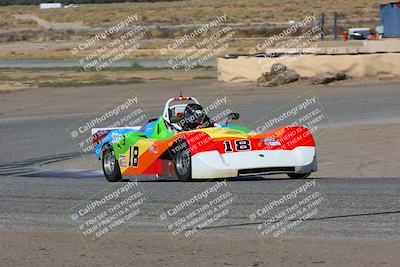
390 16
50 5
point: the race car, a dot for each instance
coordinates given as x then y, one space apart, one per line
185 143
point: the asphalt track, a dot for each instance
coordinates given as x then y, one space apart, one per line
35 198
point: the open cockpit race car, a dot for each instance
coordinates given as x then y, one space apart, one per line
185 143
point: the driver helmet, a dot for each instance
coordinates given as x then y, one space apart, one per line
194 116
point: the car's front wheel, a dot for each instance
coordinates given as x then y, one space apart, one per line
183 162
298 175
110 164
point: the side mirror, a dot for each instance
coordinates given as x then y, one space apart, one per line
234 116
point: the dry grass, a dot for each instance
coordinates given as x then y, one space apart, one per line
65 54
161 16
199 11
21 79
149 49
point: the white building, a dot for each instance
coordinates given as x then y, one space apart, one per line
50 5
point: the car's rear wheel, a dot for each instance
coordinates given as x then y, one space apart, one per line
110 164
183 162
298 175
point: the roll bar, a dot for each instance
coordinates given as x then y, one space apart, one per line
175 99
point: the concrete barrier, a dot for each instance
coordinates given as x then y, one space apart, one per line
249 69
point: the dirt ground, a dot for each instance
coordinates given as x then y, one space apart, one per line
26 248
24 79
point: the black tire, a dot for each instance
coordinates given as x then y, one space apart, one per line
298 175
110 165
183 162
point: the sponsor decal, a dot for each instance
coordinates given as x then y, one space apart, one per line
271 142
154 149
122 160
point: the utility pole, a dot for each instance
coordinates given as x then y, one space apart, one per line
323 25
